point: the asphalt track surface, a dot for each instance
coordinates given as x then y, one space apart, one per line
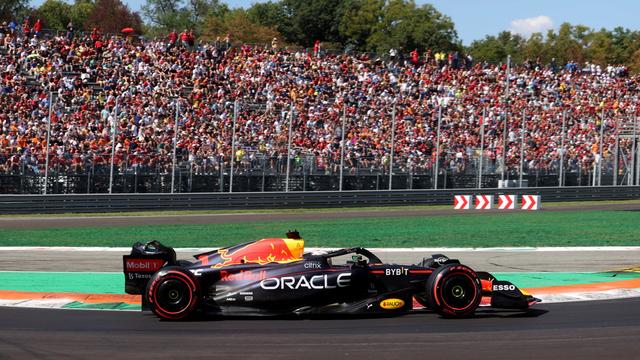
587 330
495 261
43 222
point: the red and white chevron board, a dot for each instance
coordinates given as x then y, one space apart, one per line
506 202
462 202
530 202
484 202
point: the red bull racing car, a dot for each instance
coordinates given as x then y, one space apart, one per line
276 277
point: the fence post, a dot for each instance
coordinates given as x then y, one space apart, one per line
393 139
636 151
286 187
175 145
46 160
113 144
600 150
344 117
615 155
633 153
505 127
561 170
435 173
233 143
484 116
522 146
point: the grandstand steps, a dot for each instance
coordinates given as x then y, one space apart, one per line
186 90
70 73
94 85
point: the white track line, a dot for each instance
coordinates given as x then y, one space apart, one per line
588 296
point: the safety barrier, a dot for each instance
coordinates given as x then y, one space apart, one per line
30 204
505 202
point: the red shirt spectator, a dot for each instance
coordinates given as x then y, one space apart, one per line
95 35
25 27
173 37
415 57
37 27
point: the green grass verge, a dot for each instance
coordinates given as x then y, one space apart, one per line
298 211
568 228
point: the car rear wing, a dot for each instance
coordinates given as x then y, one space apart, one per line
144 261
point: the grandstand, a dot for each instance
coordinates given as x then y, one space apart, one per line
201 119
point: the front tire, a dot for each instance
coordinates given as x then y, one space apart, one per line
173 293
454 290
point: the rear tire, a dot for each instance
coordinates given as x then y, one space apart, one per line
173 293
454 290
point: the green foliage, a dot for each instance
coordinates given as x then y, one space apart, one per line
107 15
268 14
13 9
405 26
496 48
358 20
167 15
569 43
376 25
307 21
240 27
55 14
80 12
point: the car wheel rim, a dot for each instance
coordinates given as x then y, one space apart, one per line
173 295
458 292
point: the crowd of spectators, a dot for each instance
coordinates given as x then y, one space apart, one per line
92 81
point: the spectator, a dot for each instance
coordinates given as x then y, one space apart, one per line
70 30
26 30
173 37
37 27
184 38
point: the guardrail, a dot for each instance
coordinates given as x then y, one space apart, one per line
33 204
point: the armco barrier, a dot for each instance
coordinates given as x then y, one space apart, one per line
30 204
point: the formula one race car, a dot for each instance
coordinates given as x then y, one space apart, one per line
275 277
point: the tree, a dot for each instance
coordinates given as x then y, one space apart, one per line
111 16
535 48
166 15
403 25
308 21
565 45
271 14
600 48
13 9
634 62
495 49
55 14
240 27
359 17
80 12
625 43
